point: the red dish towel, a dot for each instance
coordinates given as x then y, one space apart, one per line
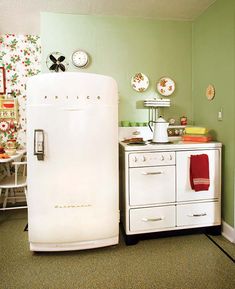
199 172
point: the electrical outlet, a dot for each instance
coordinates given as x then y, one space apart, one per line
220 114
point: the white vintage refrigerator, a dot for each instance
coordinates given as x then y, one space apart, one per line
72 153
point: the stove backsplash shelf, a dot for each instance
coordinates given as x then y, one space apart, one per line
153 105
175 132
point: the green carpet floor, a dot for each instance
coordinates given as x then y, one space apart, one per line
227 246
183 262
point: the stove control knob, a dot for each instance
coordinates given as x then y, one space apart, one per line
144 159
162 158
135 159
170 157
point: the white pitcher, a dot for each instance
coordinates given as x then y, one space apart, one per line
160 134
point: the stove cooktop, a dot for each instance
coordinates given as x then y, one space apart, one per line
149 142
171 145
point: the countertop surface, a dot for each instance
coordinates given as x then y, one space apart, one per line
172 145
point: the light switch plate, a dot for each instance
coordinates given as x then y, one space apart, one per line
220 114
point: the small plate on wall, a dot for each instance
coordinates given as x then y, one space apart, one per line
165 86
139 82
210 92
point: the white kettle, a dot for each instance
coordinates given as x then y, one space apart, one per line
160 134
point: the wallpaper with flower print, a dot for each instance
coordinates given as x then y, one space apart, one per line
21 57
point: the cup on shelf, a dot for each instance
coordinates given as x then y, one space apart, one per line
125 123
133 123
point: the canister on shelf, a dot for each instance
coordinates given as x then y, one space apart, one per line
183 120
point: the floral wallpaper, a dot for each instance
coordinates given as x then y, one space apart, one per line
21 57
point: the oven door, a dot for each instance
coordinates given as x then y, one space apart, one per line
152 185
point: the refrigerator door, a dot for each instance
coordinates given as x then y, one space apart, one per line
73 188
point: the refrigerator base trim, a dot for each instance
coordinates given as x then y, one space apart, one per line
73 246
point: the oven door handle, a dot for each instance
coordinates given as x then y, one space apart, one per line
198 215
156 219
152 173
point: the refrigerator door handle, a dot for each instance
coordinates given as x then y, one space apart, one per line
39 144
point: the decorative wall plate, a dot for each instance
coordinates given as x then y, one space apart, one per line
56 62
165 86
139 82
210 92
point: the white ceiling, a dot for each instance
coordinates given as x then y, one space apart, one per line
23 16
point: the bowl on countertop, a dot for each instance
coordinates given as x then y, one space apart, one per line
10 152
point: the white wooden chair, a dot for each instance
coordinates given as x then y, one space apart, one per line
9 183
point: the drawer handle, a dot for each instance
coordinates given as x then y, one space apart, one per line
152 219
198 215
152 173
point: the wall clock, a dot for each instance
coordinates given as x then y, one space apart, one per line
80 58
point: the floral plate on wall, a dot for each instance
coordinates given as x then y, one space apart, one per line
166 86
140 82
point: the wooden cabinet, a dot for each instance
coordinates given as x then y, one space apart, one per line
155 189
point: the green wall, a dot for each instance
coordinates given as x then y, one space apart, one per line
120 47
213 62
194 54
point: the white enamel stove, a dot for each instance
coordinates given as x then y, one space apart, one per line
155 188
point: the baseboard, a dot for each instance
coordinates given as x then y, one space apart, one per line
228 232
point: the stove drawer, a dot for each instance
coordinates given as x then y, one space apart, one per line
151 159
151 185
199 214
152 219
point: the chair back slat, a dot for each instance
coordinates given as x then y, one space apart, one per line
14 181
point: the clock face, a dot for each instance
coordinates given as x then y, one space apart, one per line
80 58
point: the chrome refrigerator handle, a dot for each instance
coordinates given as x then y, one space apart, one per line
39 144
